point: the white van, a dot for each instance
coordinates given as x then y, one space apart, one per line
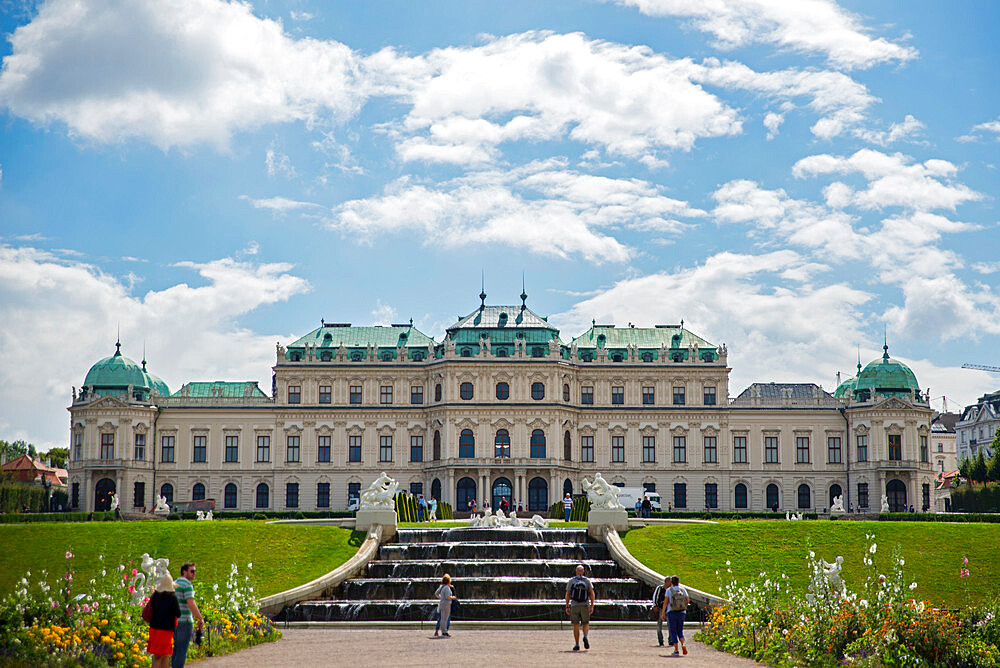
627 496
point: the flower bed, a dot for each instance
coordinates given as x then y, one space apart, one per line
881 624
56 621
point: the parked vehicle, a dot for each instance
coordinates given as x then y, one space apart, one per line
627 496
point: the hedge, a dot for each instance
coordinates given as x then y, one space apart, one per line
14 497
702 515
939 517
27 518
976 498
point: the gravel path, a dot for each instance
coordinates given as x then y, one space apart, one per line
414 647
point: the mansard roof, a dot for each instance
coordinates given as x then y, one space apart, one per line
610 336
333 335
220 389
785 391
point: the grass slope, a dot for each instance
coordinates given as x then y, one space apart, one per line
932 552
283 556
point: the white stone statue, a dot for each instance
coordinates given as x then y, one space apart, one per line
793 517
114 502
539 521
208 516
198 515
601 494
885 504
381 493
826 576
145 583
838 504
161 507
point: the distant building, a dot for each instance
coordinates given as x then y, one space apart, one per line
26 469
977 427
502 407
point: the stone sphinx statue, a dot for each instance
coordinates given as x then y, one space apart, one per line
381 493
838 504
601 494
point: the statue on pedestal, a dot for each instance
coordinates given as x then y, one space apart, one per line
885 504
838 504
161 507
381 493
601 494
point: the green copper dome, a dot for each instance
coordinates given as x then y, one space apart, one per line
887 377
846 389
113 375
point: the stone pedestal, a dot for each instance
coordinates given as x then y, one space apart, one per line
598 517
366 517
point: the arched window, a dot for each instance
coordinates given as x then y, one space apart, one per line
895 491
465 391
230 495
418 356
503 391
263 495
356 356
466 444
617 357
565 392
502 489
538 495
325 356
437 444
538 444
835 491
501 444
537 391
466 352
198 492
741 496
647 357
567 487
501 352
771 494
436 489
567 447
587 357
804 496
465 491
437 392
167 492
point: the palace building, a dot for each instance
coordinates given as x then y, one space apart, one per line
501 407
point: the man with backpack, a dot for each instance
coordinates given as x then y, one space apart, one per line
659 602
580 606
675 606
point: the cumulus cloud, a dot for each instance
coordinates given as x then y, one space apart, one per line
543 207
278 204
190 333
804 26
772 122
905 130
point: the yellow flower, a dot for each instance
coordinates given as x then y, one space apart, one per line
111 634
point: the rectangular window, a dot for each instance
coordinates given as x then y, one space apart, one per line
232 448
167 449
587 395
709 396
199 449
416 448
648 396
649 486
862 495
586 448
416 488
925 496
107 446
353 491
323 449
895 447
385 394
263 448
75 496
355 394
648 449
294 394
140 447
833 450
739 449
325 394
617 395
863 449
680 495
77 446
711 495
385 448
678 396
770 449
417 394
322 495
354 448
711 450
924 454
802 450
292 495
680 449
292 450
617 448
139 495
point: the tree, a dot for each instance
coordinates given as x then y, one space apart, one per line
58 457
993 468
978 472
17 448
965 468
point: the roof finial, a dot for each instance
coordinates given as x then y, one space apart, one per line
682 323
885 344
524 295
144 354
482 292
411 323
859 359
118 342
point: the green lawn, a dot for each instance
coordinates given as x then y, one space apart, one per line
932 552
283 556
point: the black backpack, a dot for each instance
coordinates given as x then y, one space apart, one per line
579 592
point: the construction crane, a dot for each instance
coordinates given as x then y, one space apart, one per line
982 367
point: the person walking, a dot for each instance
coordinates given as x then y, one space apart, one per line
660 605
434 510
166 610
647 507
189 612
567 505
504 504
676 607
445 594
580 606
421 508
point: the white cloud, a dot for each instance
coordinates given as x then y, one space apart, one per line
301 16
905 130
805 26
383 314
772 122
175 72
543 207
943 307
190 333
986 267
278 204
989 126
278 163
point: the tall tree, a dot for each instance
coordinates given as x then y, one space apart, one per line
58 457
978 472
965 468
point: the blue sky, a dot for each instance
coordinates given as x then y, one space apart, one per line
792 179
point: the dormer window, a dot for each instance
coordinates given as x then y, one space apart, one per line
617 357
296 357
356 356
466 352
326 356
387 356
647 357
537 352
418 356
677 357
601 339
587 357
501 352
502 322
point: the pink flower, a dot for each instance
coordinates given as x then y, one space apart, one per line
134 572
131 589
86 608
69 555
69 576
94 607
54 604
965 560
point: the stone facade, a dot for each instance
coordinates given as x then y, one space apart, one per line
535 418
977 427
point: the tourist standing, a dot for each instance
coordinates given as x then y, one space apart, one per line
676 607
166 610
445 594
567 505
421 508
660 605
647 507
504 505
434 510
580 606
189 611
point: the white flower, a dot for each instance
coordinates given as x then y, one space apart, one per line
913 585
872 548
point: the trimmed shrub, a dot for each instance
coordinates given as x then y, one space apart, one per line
976 499
15 497
445 511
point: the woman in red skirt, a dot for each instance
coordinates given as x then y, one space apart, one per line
166 610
